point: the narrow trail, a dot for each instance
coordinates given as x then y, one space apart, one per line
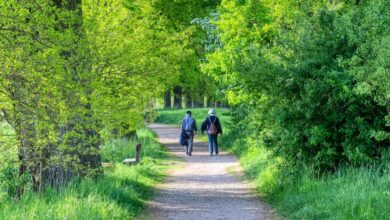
203 188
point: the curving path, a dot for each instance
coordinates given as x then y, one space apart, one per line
203 188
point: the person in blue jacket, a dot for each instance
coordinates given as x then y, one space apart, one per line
188 125
213 127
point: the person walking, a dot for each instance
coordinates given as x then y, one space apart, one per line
213 127
188 125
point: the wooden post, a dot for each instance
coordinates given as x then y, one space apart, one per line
132 161
138 151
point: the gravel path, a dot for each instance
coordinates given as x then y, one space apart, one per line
203 188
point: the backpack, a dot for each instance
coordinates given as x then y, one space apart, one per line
212 129
189 123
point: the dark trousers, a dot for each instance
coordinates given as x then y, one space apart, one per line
190 143
213 144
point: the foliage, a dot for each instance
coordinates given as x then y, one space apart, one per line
308 80
178 16
74 70
137 56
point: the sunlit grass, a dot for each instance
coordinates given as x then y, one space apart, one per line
350 193
120 193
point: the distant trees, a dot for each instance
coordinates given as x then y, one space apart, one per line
191 85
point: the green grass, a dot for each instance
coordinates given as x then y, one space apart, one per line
115 150
120 193
350 193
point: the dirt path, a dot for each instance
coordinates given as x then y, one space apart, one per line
203 188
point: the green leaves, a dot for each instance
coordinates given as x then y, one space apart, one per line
69 77
312 76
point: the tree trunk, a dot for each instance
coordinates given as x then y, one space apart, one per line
25 151
55 176
80 156
25 130
167 99
188 101
209 102
90 157
199 102
177 100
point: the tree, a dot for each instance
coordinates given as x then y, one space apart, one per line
295 76
178 17
49 85
76 71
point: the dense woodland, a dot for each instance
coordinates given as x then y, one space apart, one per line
309 81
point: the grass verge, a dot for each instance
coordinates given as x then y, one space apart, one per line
120 193
350 193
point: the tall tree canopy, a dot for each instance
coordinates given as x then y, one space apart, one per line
76 71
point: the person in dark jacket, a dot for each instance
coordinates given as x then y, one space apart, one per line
188 125
212 135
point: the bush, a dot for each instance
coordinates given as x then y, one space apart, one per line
10 180
310 82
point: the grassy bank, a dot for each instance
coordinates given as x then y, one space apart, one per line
120 193
350 193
